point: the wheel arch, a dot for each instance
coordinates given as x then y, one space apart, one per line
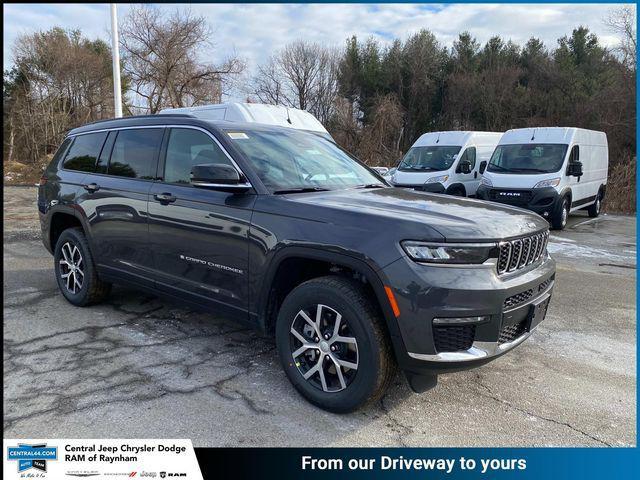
321 262
457 186
62 218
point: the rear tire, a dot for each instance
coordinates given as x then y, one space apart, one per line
594 210
346 366
561 215
75 271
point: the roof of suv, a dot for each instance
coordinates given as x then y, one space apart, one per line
174 119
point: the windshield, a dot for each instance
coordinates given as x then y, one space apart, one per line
289 160
429 158
528 158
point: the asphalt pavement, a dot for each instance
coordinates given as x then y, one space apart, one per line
139 366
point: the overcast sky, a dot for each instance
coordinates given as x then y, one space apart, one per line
254 31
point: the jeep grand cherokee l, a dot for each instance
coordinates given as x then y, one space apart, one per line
286 231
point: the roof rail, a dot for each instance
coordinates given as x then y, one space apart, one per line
135 117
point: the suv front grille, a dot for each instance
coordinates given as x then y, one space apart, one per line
511 332
520 298
453 338
517 254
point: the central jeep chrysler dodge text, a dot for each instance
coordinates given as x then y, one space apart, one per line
283 229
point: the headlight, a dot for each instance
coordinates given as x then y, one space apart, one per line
552 182
486 182
440 179
459 253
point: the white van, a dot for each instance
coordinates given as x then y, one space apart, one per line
446 162
256 113
553 171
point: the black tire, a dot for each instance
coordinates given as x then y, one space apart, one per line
561 214
594 210
457 192
89 289
375 362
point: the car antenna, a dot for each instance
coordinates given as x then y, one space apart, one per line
288 117
533 137
438 139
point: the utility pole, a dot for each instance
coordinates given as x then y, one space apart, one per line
115 50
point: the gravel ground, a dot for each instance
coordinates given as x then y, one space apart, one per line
139 366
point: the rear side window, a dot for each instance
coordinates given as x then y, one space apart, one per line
134 153
186 148
84 152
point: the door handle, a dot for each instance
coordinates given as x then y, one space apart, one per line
164 198
92 187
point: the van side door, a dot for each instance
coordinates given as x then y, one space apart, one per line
199 236
469 180
579 185
115 200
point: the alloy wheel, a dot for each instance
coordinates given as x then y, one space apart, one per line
323 348
72 267
565 213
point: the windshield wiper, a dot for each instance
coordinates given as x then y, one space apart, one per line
300 190
370 185
493 165
530 170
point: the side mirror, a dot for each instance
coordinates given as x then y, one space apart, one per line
483 166
464 166
381 170
218 176
575 169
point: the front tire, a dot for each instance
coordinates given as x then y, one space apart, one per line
332 344
75 272
561 215
594 210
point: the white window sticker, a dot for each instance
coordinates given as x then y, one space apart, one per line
238 135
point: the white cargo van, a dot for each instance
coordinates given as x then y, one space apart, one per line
256 113
552 171
446 162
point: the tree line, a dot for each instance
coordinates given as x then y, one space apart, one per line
375 98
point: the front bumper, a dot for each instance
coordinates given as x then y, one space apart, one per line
429 292
542 201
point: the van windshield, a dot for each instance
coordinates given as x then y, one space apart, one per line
530 158
288 160
429 158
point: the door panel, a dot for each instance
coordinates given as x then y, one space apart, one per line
470 180
199 242
117 214
199 236
116 202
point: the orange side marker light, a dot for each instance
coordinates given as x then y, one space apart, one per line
392 301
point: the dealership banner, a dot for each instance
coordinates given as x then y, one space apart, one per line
113 458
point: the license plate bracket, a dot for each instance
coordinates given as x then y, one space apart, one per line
537 312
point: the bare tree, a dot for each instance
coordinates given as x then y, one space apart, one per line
60 80
303 75
162 58
622 21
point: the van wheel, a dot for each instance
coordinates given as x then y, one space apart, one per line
594 210
75 272
457 192
561 215
332 344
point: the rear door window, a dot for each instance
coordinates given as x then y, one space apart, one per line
84 151
135 153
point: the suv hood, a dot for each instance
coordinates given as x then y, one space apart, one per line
456 219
